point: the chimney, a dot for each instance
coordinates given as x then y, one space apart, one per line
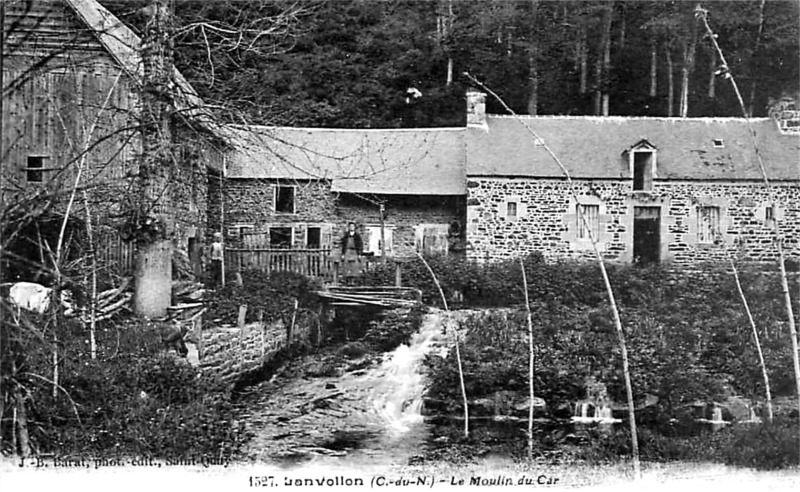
786 112
476 109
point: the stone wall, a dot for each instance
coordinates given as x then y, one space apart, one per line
250 203
546 219
229 353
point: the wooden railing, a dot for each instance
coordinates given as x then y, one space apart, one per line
309 262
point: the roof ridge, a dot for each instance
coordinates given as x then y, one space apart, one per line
336 129
671 119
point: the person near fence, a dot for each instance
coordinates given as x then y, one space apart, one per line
352 248
217 253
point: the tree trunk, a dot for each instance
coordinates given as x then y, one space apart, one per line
712 75
93 273
531 360
583 61
670 81
689 50
154 257
761 361
604 65
21 431
533 68
754 59
653 68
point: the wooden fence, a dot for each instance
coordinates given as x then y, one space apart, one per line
316 263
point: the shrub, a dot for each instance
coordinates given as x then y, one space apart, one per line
765 446
133 400
269 295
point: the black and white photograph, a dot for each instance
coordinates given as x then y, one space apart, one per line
400 245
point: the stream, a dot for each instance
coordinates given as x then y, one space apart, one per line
364 417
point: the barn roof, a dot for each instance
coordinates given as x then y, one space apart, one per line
594 147
125 47
392 161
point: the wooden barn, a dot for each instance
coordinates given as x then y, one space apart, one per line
72 144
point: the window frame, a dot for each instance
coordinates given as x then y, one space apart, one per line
593 219
40 169
709 225
649 171
509 205
319 236
291 237
276 195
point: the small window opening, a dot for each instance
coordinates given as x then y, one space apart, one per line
769 215
313 236
280 237
284 199
718 143
511 210
34 173
642 171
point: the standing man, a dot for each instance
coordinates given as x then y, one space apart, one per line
352 247
217 254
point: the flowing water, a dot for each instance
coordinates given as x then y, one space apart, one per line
370 417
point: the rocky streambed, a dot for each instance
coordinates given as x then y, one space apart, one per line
330 408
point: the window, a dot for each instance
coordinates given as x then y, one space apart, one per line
284 199
511 210
313 237
373 244
769 216
643 170
432 239
280 237
34 173
592 214
707 224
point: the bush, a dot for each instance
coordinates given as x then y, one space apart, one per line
269 295
392 328
134 400
765 446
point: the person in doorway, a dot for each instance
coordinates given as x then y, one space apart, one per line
352 248
217 253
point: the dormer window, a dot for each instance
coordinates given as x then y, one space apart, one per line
718 143
643 171
642 159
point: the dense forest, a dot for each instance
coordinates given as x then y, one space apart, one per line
401 63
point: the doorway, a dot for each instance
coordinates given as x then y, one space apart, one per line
646 235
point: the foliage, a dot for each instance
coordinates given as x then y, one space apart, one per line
134 400
269 295
349 63
765 446
392 329
688 338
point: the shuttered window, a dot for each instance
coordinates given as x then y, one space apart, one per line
592 214
432 239
373 240
707 224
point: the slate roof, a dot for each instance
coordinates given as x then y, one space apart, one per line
413 162
592 147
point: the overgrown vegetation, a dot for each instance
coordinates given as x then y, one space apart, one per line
688 336
268 296
134 400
